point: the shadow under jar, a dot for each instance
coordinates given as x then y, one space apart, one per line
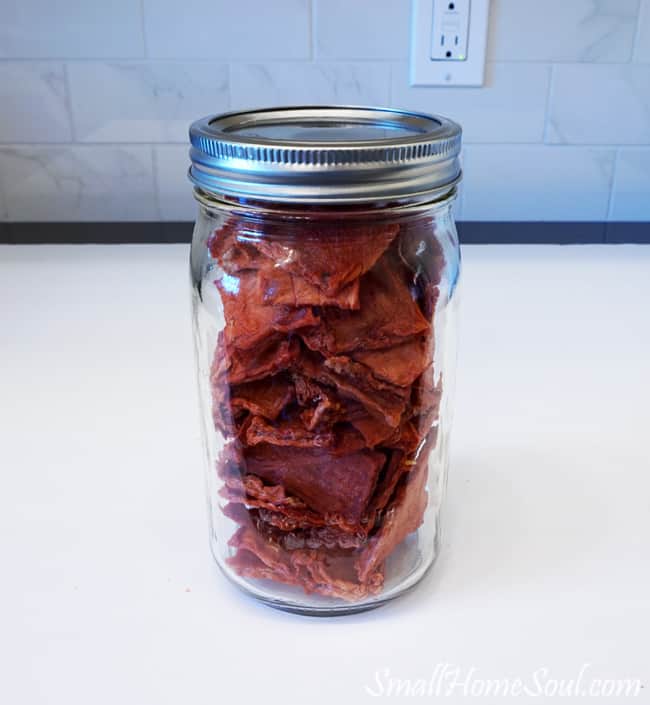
324 268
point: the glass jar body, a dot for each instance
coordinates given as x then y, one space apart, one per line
325 352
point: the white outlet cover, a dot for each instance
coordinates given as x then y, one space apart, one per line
450 30
427 71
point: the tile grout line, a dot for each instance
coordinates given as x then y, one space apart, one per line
90 143
143 30
178 143
68 102
229 101
312 31
547 106
612 186
184 59
637 34
156 184
180 59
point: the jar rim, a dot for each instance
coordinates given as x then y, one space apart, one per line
325 154
307 211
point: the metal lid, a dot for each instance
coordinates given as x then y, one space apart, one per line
325 154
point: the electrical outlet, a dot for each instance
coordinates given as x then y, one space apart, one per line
450 30
448 42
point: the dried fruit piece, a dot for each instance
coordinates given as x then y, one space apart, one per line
324 387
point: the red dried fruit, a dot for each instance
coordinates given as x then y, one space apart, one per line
249 322
328 484
323 383
327 254
387 314
279 288
402 516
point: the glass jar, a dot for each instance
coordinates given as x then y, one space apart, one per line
324 268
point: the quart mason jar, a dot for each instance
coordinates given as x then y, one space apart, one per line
324 268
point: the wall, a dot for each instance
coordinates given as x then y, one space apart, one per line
96 98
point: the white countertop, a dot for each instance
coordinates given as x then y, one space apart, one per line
108 592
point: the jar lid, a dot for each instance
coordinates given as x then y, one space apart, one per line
325 154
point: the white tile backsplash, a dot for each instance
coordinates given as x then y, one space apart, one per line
255 85
631 191
223 29
600 104
33 102
536 182
78 183
96 98
562 30
144 101
69 29
362 29
642 52
510 107
174 188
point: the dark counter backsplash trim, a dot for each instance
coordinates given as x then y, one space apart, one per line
471 232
